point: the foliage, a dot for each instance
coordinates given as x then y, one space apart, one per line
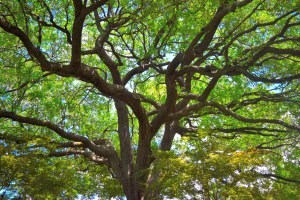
54 178
212 170
149 99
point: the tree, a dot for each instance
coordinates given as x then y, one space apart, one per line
93 93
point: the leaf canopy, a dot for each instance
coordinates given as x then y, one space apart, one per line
149 99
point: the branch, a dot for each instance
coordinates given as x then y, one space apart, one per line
171 94
254 129
12 138
89 52
226 111
209 70
278 97
280 177
85 72
268 80
98 141
275 147
209 88
250 130
89 155
92 157
217 19
126 150
196 107
138 70
148 100
120 63
254 28
168 136
53 24
247 130
292 52
105 150
267 49
80 13
27 82
6 26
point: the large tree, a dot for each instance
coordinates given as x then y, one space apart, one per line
93 93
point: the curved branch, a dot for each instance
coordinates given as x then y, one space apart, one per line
280 178
253 129
53 24
254 28
120 63
138 70
148 100
245 131
196 107
27 82
278 97
6 26
265 50
226 111
106 150
89 155
260 146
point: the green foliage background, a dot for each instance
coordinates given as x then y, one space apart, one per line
204 163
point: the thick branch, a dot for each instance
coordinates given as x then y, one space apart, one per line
127 159
89 155
103 150
6 26
171 95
